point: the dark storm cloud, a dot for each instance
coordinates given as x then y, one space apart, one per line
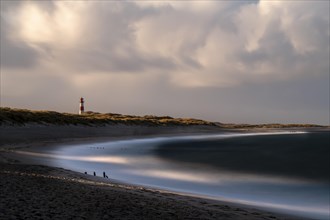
17 55
119 37
241 61
90 60
14 54
106 42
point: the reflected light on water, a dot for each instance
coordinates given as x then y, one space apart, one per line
149 169
101 159
181 176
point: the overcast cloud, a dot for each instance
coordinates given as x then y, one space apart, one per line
249 62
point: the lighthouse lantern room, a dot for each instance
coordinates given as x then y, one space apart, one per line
81 107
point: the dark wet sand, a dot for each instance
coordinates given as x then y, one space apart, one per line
41 192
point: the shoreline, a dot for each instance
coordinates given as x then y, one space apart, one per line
156 203
84 193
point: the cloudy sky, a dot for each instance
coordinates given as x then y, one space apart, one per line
227 61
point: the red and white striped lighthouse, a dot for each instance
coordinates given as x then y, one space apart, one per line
81 107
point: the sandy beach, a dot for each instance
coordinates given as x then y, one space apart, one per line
32 191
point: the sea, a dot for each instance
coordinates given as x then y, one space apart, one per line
283 171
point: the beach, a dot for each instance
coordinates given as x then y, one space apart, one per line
33 191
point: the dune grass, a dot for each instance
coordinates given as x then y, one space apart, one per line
272 126
24 116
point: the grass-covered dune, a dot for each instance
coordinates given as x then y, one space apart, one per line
15 116
24 116
272 126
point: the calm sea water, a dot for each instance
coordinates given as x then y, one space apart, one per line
286 172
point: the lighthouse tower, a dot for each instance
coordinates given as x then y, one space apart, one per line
81 107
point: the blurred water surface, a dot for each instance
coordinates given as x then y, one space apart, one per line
282 171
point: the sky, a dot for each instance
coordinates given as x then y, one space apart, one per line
226 61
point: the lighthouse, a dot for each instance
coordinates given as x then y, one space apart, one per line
81 106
